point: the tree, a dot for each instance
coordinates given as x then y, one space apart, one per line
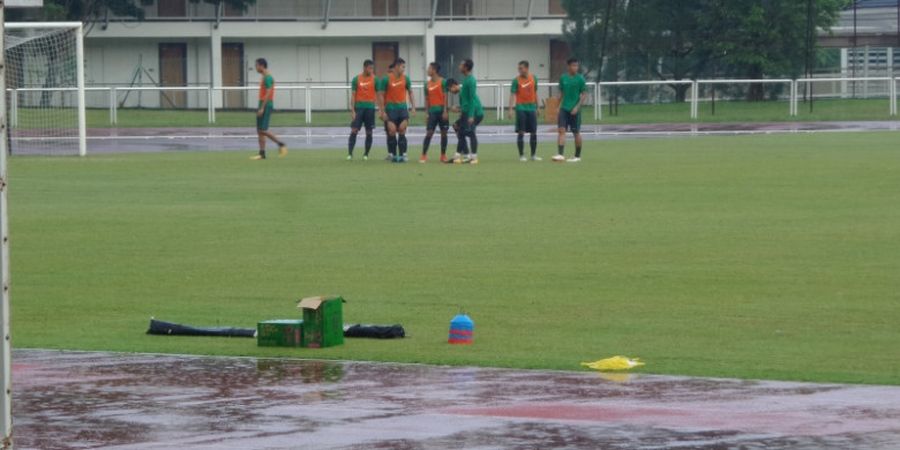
689 39
670 40
768 38
587 30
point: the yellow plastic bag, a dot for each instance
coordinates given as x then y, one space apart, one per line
614 363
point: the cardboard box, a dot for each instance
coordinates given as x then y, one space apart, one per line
323 321
279 333
551 110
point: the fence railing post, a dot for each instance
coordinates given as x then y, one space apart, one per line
695 100
114 99
598 111
308 104
893 93
210 108
793 100
500 101
112 104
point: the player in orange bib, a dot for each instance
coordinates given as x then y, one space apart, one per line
524 100
362 107
394 90
436 106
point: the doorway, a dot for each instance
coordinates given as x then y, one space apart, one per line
384 54
173 72
233 75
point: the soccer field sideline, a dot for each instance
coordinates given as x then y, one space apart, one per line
125 140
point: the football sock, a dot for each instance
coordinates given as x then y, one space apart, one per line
533 143
368 143
403 144
444 143
562 149
392 145
426 144
578 152
520 142
352 143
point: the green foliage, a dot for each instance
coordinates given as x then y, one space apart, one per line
665 39
758 256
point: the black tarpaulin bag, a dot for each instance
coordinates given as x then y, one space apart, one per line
374 331
174 329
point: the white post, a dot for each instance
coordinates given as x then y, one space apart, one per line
845 64
5 348
499 97
308 105
597 102
112 105
210 108
79 67
792 103
893 90
695 100
115 105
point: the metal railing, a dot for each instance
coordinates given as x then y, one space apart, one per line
214 99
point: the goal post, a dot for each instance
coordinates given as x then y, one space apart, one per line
45 86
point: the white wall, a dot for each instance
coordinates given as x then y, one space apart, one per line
112 62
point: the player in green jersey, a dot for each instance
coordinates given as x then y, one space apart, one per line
572 94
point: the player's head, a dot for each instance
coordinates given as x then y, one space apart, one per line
466 66
453 86
399 66
434 69
261 65
391 68
574 65
523 68
368 67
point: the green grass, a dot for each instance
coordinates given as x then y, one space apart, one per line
736 111
759 256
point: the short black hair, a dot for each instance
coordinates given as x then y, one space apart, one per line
368 63
468 64
524 63
435 66
571 61
262 62
451 82
399 61
391 66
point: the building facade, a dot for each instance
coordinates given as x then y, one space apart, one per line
314 42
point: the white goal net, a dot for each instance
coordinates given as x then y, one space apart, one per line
45 88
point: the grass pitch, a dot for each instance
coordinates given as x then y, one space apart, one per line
759 256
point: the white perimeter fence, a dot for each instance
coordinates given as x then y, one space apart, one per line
496 95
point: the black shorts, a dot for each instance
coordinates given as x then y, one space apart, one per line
397 116
568 121
526 121
436 119
365 117
462 124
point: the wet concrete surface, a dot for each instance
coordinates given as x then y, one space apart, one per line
67 400
129 140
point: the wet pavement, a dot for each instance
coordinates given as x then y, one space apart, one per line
129 140
68 400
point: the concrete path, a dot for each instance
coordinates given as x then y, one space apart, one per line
127 140
73 400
